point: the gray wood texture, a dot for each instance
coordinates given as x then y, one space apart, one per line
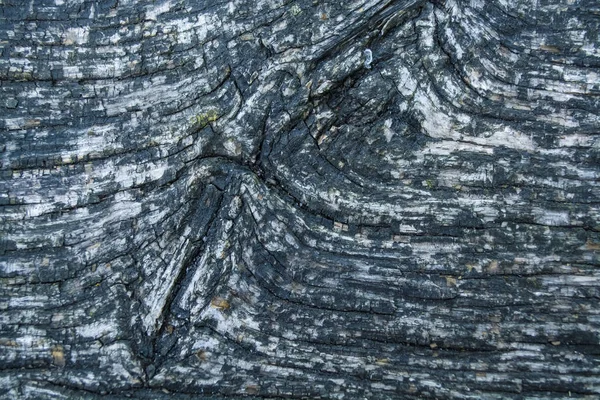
299 199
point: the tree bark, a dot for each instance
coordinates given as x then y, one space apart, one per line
376 199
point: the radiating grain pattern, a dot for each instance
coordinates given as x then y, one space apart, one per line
230 199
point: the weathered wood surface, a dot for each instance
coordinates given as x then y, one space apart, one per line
293 199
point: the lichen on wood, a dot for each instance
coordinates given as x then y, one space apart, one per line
268 199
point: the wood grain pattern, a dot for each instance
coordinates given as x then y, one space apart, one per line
299 199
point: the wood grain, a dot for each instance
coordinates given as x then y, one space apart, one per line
271 199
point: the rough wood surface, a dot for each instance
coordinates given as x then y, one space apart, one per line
297 199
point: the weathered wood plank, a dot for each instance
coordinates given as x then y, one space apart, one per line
378 199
